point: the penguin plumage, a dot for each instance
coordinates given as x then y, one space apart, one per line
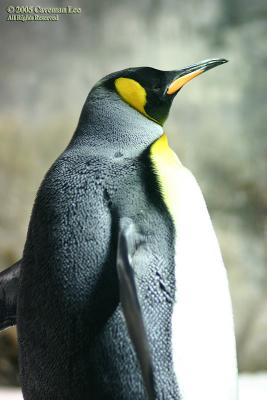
107 289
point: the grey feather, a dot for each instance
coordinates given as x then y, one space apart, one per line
130 303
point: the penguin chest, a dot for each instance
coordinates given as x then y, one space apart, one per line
202 325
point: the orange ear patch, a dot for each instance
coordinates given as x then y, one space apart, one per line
132 93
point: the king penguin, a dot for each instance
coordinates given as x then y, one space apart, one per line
121 293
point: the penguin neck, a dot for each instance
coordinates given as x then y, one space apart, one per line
108 127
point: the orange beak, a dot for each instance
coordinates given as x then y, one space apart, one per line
185 75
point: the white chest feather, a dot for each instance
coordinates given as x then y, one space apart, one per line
202 325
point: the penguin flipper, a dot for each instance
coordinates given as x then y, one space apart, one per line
9 284
127 245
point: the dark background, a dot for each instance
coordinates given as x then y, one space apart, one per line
217 125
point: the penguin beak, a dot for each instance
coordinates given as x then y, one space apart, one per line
185 75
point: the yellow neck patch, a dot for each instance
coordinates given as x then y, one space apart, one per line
132 93
167 165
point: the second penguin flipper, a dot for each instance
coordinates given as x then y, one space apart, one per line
9 284
130 302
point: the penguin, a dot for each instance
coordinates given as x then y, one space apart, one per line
122 292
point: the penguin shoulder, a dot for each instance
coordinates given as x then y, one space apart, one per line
72 180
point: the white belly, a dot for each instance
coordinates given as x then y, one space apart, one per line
202 323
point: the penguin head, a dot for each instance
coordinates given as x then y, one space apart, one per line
151 91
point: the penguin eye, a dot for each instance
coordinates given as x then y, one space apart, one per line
156 86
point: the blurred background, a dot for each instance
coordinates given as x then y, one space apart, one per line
217 127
